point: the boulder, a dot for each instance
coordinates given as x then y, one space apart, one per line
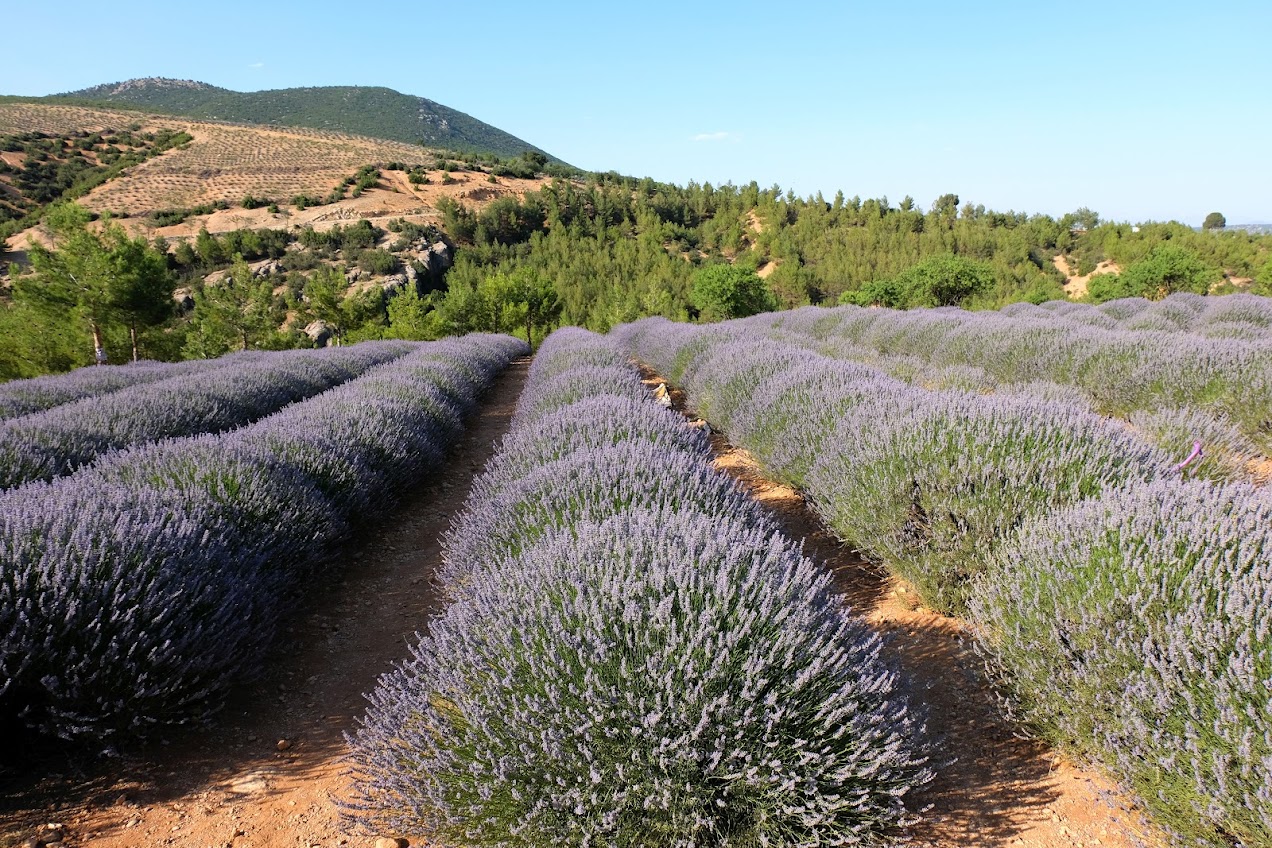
319 333
442 254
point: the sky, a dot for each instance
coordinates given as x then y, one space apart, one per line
1141 111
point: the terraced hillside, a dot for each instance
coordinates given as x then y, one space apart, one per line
373 110
225 163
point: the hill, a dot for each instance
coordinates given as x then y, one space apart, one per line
173 190
362 110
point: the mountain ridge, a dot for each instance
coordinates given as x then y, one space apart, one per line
375 111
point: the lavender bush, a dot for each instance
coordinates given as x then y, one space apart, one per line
575 384
659 679
56 442
1224 453
932 492
120 608
634 656
133 592
790 419
593 423
1204 354
508 513
23 397
1136 629
572 347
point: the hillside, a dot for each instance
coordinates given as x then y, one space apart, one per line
204 181
371 111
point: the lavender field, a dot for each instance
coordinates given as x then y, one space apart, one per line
633 654
628 650
1083 484
137 588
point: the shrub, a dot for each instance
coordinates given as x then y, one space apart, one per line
378 261
633 655
656 679
109 595
932 492
24 397
57 441
136 590
507 514
1226 453
1135 629
727 291
595 422
577 383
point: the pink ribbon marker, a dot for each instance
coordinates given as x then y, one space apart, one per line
1197 453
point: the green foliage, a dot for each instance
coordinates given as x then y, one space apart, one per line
96 282
35 342
526 166
1263 281
1214 221
171 217
1167 268
410 317
236 313
360 236
63 168
947 280
327 299
378 261
721 292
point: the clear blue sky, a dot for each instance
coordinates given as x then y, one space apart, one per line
1139 110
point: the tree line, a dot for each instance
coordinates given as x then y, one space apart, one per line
593 253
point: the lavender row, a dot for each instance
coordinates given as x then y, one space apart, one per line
1117 370
1125 609
56 442
1238 316
23 397
135 591
633 655
928 482
1137 629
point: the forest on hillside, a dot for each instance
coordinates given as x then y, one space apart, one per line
592 252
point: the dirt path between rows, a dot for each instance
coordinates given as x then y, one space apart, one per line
269 772
1001 790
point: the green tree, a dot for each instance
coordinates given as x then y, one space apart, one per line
946 280
1166 269
74 277
1081 219
1214 221
236 313
98 280
721 292
1263 280
541 307
143 287
463 309
328 299
410 316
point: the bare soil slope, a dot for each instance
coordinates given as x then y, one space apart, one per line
227 162
1075 284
